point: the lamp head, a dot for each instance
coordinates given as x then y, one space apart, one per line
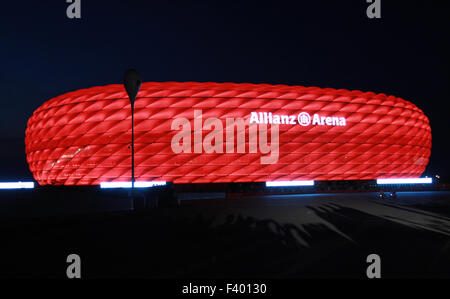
132 82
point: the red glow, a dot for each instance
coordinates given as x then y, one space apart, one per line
83 137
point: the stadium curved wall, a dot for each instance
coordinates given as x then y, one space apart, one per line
183 135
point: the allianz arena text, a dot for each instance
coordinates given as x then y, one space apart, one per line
225 132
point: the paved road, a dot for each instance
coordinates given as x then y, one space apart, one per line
291 236
419 210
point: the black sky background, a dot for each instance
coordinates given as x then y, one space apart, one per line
311 43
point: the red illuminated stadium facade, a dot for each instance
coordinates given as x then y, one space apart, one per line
225 132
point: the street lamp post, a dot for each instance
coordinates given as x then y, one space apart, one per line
132 82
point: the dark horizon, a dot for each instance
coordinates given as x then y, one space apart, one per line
322 43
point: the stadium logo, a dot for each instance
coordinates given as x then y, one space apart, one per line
303 118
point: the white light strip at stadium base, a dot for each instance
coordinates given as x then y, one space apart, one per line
289 183
106 185
17 185
405 181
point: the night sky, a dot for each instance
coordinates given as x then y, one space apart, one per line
311 43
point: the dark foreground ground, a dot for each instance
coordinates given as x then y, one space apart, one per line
290 236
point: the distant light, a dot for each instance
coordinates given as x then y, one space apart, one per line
405 181
128 184
148 184
289 183
17 185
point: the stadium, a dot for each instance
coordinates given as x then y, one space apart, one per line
226 133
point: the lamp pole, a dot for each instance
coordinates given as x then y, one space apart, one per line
132 82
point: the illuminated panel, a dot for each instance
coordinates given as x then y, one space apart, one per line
289 183
205 133
106 185
17 185
405 181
